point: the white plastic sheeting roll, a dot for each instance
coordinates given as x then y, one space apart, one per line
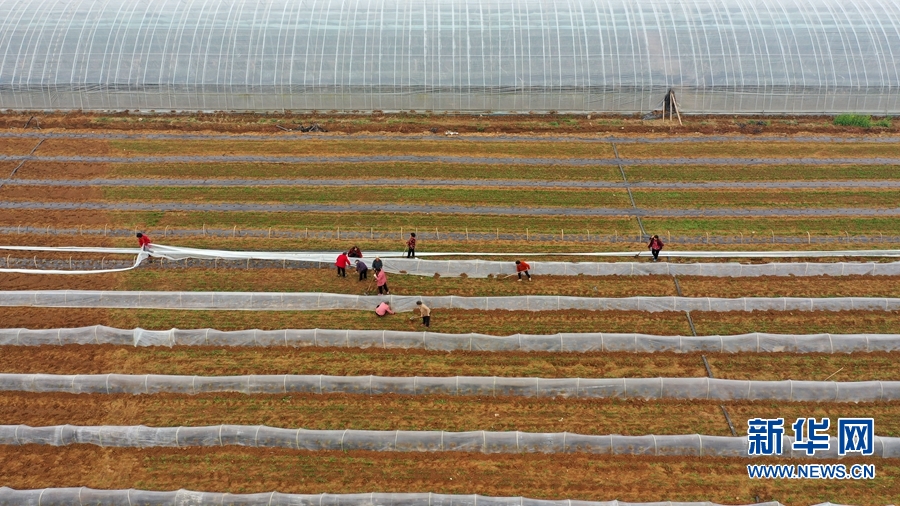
564 342
261 436
394 263
585 388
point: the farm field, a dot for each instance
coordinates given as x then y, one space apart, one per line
543 219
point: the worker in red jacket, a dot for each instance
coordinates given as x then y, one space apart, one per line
655 246
144 243
342 263
411 246
522 267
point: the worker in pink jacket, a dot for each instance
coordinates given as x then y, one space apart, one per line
381 281
383 309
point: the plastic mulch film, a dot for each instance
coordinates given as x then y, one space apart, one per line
70 496
261 436
586 388
484 268
310 301
392 339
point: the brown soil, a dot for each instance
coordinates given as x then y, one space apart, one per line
339 411
13 193
207 361
16 146
82 147
106 359
796 322
576 476
411 123
56 219
324 280
62 170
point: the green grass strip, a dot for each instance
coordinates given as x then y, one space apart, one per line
759 150
760 173
765 199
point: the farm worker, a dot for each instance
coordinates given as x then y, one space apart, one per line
411 246
381 281
383 309
424 312
144 244
377 264
655 245
362 270
143 241
522 267
354 252
342 263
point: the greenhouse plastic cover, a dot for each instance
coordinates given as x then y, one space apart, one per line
312 301
87 496
563 342
261 436
726 56
586 388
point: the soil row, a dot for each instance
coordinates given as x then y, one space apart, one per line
234 361
433 170
499 323
630 417
413 123
472 196
577 476
356 146
570 229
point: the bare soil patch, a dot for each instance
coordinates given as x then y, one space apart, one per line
80 147
14 193
16 146
36 169
577 476
55 219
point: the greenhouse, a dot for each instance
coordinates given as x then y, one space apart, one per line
484 56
